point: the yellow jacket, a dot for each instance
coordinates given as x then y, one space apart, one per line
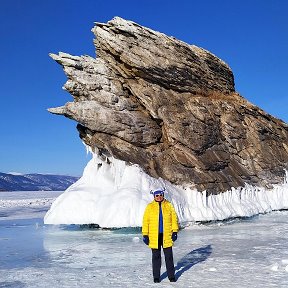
150 224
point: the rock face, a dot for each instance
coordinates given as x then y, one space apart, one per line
170 107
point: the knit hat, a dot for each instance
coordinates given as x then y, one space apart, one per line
157 191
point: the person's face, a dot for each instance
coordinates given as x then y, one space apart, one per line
159 197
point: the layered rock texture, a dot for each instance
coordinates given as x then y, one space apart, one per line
172 108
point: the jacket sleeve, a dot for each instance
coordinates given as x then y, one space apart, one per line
145 223
175 226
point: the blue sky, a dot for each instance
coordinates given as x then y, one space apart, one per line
251 36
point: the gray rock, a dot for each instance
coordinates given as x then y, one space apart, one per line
172 108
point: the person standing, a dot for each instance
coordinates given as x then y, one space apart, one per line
159 229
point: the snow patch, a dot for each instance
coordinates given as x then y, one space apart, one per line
112 193
275 267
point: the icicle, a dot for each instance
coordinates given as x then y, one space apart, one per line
113 194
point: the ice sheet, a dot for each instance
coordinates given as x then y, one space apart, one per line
249 252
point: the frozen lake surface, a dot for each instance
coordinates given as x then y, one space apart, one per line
249 252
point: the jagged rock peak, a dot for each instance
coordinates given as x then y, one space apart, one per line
159 59
170 107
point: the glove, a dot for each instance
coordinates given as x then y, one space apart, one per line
146 239
174 236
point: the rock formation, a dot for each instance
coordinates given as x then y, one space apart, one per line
172 108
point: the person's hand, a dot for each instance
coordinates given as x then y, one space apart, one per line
174 236
146 239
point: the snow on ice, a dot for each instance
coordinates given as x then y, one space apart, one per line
112 193
249 252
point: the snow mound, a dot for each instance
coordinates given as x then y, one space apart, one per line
113 194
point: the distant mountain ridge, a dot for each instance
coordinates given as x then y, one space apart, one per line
35 182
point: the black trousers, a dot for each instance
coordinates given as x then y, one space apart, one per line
156 260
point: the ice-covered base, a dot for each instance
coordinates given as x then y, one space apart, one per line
116 194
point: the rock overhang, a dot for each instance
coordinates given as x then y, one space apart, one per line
170 107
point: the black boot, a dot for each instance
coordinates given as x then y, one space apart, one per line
172 279
156 280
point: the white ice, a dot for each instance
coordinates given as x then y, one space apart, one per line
249 252
112 193
16 205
